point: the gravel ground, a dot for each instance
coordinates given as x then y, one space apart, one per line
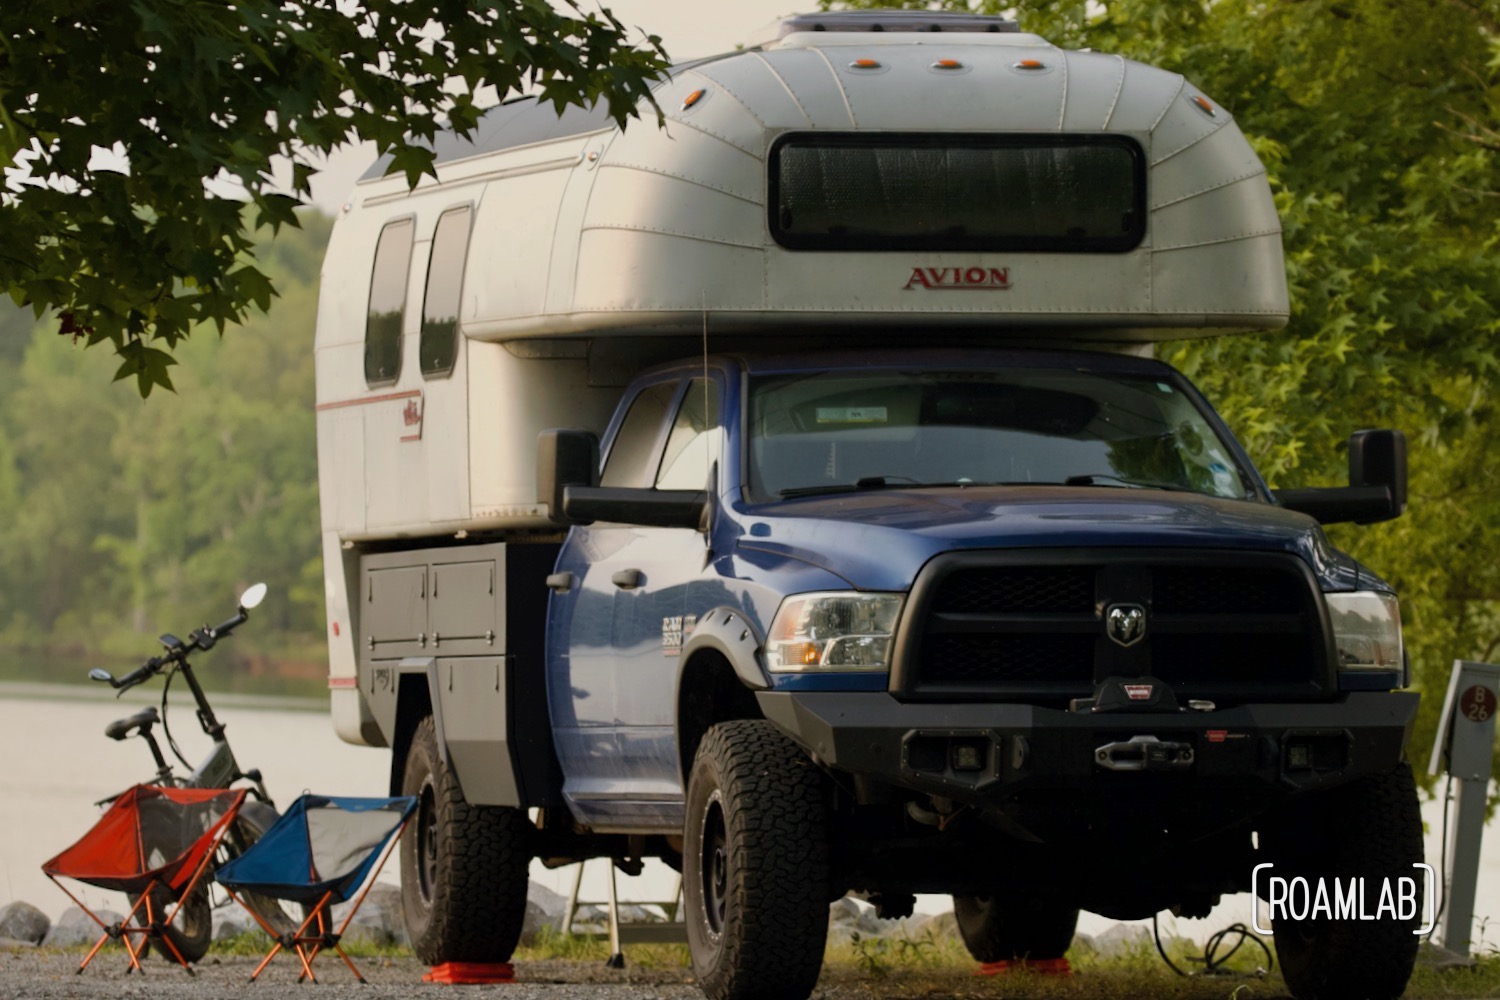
50 974
46 974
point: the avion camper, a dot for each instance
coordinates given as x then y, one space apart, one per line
788 493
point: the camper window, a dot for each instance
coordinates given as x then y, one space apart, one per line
387 303
438 347
923 191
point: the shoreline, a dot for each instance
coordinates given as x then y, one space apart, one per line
144 695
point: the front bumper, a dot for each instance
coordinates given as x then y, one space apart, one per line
1016 758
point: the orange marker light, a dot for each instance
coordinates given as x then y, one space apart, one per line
1031 64
693 98
864 64
947 64
1204 106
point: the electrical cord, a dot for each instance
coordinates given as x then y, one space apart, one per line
1214 964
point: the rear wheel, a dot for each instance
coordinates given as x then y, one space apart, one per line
1370 829
1001 928
463 867
191 931
756 865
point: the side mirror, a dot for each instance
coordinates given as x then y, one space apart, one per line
101 675
1377 483
1378 458
252 596
628 505
565 457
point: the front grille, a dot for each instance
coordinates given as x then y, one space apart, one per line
1043 660
1229 627
1002 589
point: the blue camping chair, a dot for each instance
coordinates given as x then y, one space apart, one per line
318 854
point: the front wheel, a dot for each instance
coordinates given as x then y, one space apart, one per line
463 867
756 864
1369 830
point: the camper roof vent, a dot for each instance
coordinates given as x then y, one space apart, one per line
892 20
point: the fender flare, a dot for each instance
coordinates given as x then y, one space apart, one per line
426 665
730 633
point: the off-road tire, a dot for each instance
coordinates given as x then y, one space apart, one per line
1371 827
756 864
463 867
1003 928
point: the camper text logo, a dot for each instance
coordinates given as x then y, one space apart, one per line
958 279
1404 898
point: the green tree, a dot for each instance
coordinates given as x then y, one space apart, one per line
115 117
111 522
1377 121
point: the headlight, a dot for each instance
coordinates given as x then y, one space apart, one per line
1366 630
833 631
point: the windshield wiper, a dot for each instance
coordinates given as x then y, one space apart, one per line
865 483
902 483
1095 479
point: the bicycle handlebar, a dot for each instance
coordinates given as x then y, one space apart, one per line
177 652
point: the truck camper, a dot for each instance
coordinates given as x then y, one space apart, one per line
788 492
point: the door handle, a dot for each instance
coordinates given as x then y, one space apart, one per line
560 582
627 579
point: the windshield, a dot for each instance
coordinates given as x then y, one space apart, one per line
830 432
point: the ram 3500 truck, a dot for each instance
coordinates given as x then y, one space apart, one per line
788 493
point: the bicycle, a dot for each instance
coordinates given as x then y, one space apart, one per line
192 932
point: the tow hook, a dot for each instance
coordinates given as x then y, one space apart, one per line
1144 753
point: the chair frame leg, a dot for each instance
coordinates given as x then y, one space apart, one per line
308 946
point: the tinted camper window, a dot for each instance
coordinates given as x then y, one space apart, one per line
916 191
387 303
445 273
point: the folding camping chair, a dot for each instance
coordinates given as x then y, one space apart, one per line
318 854
151 842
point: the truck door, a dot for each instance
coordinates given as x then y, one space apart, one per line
614 684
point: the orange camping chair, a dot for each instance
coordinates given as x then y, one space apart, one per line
152 843
318 854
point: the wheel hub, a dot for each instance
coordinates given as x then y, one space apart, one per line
427 843
715 868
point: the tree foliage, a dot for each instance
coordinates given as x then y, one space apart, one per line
1379 122
119 516
116 116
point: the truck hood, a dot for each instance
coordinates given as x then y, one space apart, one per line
879 539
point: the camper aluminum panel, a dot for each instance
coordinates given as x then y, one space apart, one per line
513 400
593 233
509 274
1094 85
1221 214
676 221
1218 160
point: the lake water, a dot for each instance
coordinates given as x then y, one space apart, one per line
58 763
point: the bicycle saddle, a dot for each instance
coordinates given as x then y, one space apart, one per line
142 720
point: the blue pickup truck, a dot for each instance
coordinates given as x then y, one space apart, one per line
789 494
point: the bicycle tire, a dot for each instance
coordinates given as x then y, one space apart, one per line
191 932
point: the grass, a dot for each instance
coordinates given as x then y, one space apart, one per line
928 964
